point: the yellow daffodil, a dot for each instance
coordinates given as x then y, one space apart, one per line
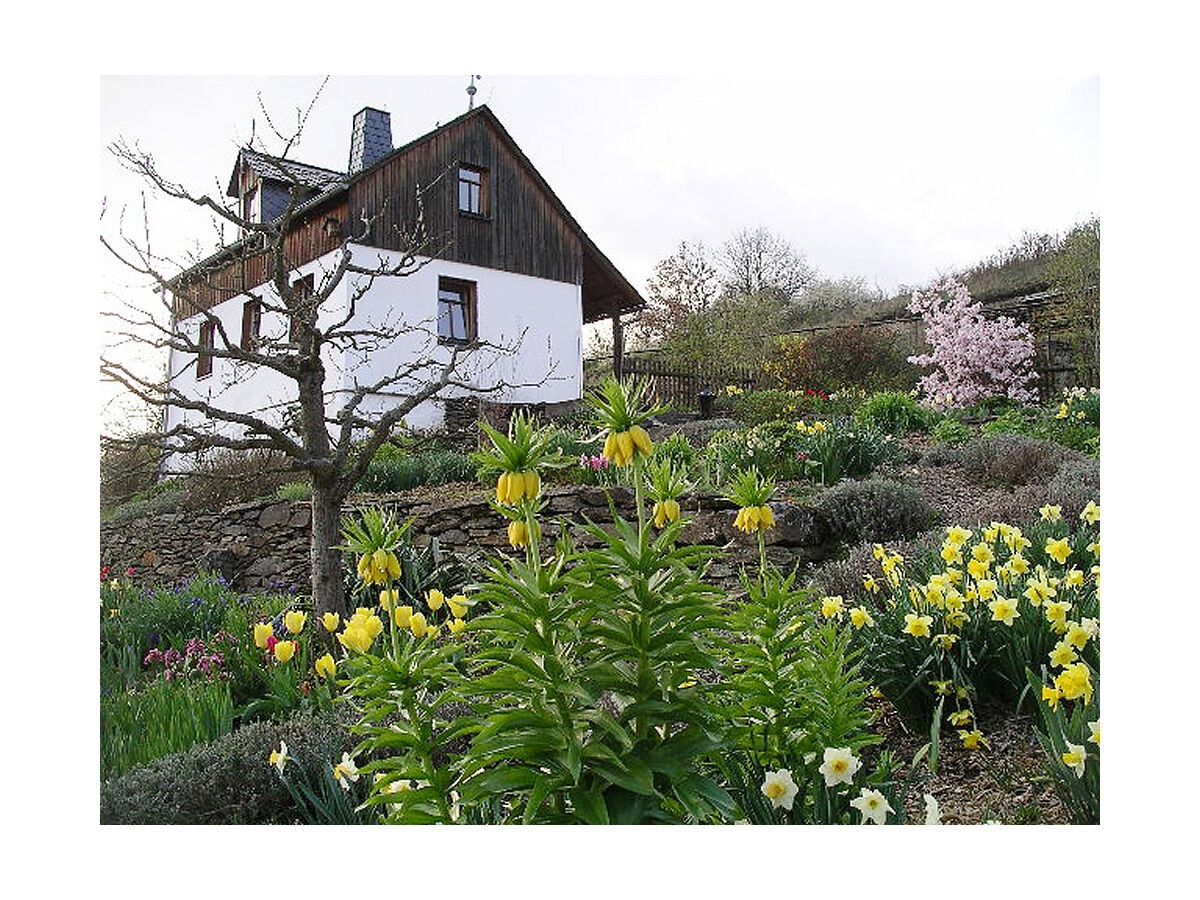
1090 626
1091 513
284 650
1075 757
331 620
977 568
1058 550
1073 578
870 584
1037 591
942 688
262 631
1094 728
917 626
325 667
960 717
1075 681
972 740
945 641
1076 636
1017 564
1056 610
1063 654
839 766
860 617
1051 513
873 806
1050 696
831 607
1004 610
345 771
951 553
985 588
434 599
957 536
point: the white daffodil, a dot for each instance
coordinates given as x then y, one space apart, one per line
780 789
279 758
873 806
1076 758
839 766
346 769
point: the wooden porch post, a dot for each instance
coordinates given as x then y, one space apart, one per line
618 334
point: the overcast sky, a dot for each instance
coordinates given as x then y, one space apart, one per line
895 180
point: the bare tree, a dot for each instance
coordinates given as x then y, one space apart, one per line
682 285
758 261
327 422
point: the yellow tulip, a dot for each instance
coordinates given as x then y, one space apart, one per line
401 615
262 631
435 599
331 620
325 666
389 599
457 605
284 650
416 624
294 621
356 636
456 625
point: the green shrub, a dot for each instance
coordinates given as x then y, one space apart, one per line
951 430
873 510
165 717
294 490
677 450
835 359
227 781
757 407
397 470
1011 459
166 496
892 412
1075 483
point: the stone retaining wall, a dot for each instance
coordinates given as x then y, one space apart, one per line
264 545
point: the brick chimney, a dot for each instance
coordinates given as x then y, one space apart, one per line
371 138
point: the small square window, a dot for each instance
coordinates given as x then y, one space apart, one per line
456 311
472 190
204 360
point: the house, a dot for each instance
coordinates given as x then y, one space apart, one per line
505 266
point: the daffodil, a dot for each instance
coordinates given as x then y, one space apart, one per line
951 553
780 789
262 631
1058 550
873 806
293 621
1051 513
1038 590
985 588
831 607
1073 578
942 688
330 621
972 740
1004 610
917 626
957 535
325 666
1077 636
1017 564
933 814
1051 696
1062 655
976 568
1056 610
284 650
839 766
945 641
870 584
860 617
1075 681
1075 757
1094 728
279 758
345 771
1091 513
960 717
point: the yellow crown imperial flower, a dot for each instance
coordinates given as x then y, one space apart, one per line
325 667
262 631
293 621
518 533
665 511
754 518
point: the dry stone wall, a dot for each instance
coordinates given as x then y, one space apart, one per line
264 546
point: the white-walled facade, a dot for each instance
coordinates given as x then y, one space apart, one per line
526 333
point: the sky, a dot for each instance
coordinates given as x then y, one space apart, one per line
895 180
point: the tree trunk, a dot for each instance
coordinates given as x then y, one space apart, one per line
324 560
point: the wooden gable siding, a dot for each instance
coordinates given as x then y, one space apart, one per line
208 284
522 231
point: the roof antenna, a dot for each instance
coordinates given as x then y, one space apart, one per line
471 92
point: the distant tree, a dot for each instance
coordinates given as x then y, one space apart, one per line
328 428
682 285
1074 269
758 261
824 299
734 332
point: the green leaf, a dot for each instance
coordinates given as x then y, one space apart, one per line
589 806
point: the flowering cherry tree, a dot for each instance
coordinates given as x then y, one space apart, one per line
973 357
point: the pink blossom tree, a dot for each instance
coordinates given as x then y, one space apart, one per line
973 357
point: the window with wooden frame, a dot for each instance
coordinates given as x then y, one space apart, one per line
456 311
303 289
204 360
472 190
251 323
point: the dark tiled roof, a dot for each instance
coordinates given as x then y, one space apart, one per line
275 169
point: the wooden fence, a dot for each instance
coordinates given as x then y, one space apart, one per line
673 384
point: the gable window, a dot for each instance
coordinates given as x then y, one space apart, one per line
456 311
204 361
251 323
472 190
